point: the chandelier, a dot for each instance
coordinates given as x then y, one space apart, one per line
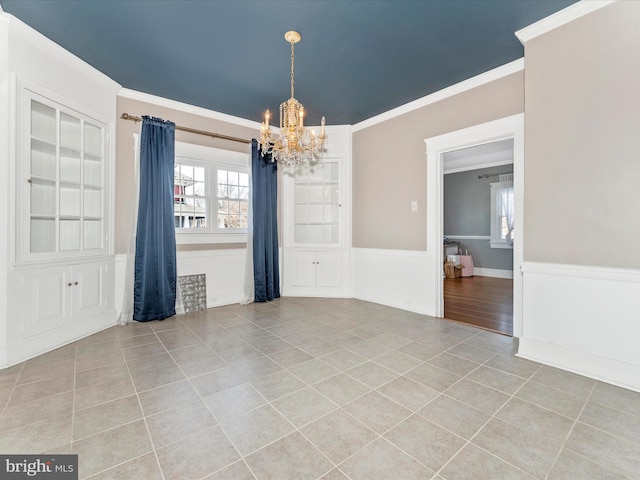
295 144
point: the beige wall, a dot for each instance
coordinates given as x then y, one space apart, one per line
125 157
389 162
582 141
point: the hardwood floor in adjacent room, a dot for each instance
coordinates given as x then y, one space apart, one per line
484 302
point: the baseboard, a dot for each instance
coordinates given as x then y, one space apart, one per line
492 272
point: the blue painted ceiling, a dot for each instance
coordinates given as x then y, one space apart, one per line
357 58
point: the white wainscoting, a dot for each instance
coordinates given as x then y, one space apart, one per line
224 270
583 319
397 278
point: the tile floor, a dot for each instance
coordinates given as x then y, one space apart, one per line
315 388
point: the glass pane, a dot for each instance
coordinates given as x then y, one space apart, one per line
301 214
243 192
233 191
300 234
233 221
334 172
223 206
187 214
199 188
315 213
43 235
92 203
43 197
222 176
316 174
233 178
70 132
92 234
43 122
43 159
300 194
92 140
335 195
186 174
198 174
315 233
223 220
92 171
244 221
70 200
331 214
243 179
244 208
330 234
315 193
223 191
69 165
69 234
177 215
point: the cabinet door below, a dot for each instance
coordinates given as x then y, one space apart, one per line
303 272
47 299
90 290
328 269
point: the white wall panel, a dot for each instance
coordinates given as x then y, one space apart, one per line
397 278
224 270
583 319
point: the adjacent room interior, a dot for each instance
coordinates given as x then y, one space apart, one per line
476 226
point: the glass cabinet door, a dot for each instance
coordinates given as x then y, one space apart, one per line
316 205
65 179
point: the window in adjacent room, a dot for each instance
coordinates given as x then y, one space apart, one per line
211 194
502 212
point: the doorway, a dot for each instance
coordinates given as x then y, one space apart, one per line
503 129
477 196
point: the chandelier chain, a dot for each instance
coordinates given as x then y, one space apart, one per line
292 64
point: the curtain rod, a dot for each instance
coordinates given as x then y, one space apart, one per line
126 116
486 175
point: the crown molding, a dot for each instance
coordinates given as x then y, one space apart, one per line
465 85
187 108
560 18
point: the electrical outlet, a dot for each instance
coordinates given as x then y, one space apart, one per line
414 206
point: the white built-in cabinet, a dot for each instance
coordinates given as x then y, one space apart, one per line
63 162
317 222
58 263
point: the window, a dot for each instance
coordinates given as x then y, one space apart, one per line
233 199
211 195
502 206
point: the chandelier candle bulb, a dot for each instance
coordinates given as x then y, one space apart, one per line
322 127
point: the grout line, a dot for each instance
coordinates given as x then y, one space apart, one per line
566 438
144 418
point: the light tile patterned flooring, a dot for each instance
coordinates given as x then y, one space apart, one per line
315 388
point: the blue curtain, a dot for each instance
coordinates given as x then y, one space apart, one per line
154 287
266 269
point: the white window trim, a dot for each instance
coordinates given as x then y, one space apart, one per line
496 241
212 157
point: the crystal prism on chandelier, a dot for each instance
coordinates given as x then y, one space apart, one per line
295 144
